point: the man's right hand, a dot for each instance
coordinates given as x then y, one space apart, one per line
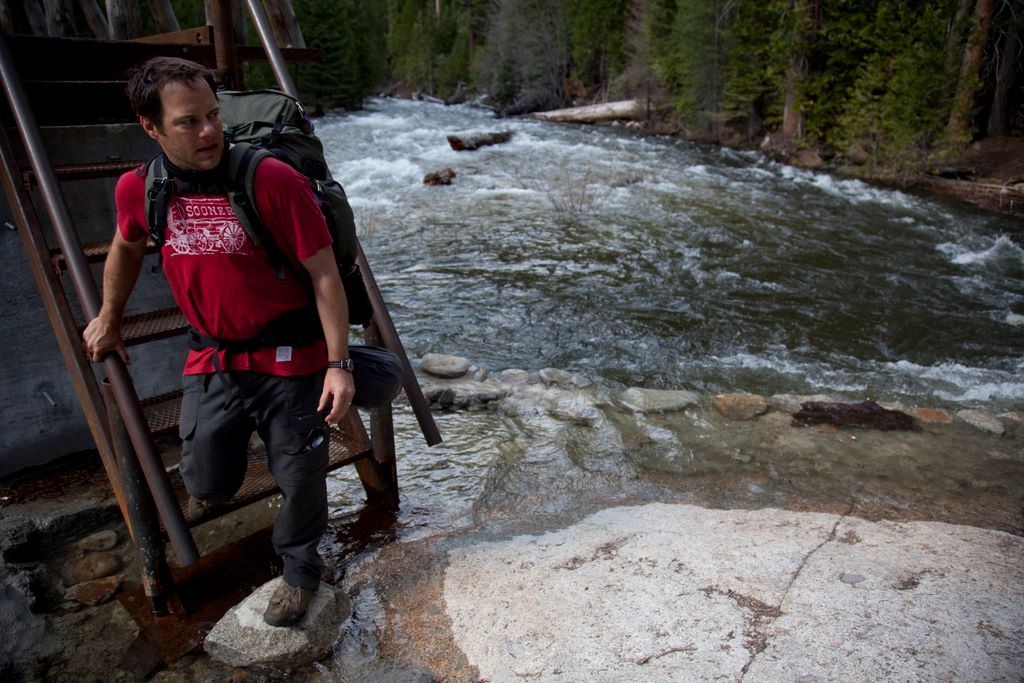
102 335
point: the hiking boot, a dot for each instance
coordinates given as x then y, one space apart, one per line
287 605
200 510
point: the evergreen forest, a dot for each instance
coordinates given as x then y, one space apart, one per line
891 83
887 85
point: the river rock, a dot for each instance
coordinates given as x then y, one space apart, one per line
93 592
445 367
983 420
442 177
514 377
576 410
101 540
932 415
642 400
471 142
563 379
740 406
242 638
95 566
863 415
790 403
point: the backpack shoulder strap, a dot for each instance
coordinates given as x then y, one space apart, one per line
243 158
158 194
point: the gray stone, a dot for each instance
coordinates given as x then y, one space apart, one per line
790 403
481 374
93 592
740 406
576 410
514 377
23 631
563 379
101 540
16 537
445 367
658 400
626 594
983 420
242 638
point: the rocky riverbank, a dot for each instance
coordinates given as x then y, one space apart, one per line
623 532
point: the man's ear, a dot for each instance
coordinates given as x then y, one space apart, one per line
149 125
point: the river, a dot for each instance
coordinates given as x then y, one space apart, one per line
652 261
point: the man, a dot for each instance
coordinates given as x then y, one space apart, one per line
230 291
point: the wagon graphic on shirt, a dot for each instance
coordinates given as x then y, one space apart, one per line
205 225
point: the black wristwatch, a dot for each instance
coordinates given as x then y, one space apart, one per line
341 364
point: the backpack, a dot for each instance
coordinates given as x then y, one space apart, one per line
264 123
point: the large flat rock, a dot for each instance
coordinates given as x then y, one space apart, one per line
675 592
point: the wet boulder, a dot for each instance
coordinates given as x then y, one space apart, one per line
444 366
443 177
472 142
863 415
242 638
740 406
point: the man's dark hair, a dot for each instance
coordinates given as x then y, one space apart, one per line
145 82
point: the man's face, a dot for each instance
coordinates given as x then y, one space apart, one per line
190 133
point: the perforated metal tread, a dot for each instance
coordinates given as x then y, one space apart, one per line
152 325
94 253
162 413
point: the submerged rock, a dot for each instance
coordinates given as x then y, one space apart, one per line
93 592
863 415
658 400
983 420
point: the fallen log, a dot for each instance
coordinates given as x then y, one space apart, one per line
1007 197
863 415
468 144
596 113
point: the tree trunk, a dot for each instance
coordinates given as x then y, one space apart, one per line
1006 75
959 127
163 15
125 19
60 18
805 32
36 17
953 41
95 19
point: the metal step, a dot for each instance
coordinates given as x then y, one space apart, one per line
102 169
94 253
153 325
163 412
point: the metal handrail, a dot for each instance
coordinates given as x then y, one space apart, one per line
88 294
381 316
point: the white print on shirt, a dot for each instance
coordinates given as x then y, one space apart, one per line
205 225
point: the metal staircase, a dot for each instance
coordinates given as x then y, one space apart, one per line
75 82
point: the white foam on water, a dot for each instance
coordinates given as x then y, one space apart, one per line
962 383
999 249
1015 319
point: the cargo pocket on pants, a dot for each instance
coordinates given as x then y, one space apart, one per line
189 416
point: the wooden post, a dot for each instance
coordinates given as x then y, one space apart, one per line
125 19
224 43
283 23
95 19
163 15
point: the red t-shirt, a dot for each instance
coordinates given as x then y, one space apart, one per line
225 285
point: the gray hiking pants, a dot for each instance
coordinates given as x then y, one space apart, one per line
216 426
